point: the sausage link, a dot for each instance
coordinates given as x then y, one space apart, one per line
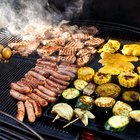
37 75
58 86
20 89
30 111
45 96
20 111
18 96
58 91
47 91
51 58
37 108
59 81
46 63
37 98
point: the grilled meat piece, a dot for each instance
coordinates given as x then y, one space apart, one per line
24 48
54 42
86 51
81 36
47 50
47 63
68 59
75 44
67 51
96 42
89 30
83 60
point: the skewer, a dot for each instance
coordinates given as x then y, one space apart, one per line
71 122
57 117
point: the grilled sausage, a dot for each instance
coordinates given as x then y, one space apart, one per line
30 111
32 84
41 72
69 68
45 96
37 98
51 64
37 108
33 79
18 96
20 111
51 58
47 91
58 86
23 84
59 81
58 91
45 67
20 89
58 75
37 75
65 72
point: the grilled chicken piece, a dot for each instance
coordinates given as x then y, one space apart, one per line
96 42
67 51
69 59
89 30
53 42
83 60
75 44
86 51
82 36
47 50
24 48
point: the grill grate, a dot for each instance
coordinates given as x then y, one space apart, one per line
18 66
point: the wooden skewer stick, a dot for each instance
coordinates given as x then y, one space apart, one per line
57 117
71 122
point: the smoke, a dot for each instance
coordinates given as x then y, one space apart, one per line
17 14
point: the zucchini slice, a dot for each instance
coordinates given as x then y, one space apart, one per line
117 123
121 108
105 103
130 96
108 90
135 114
80 84
85 102
70 93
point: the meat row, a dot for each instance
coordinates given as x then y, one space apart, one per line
41 85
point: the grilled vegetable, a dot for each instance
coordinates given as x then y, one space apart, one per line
131 49
105 103
117 123
135 114
1 48
86 73
80 84
70 93
62 110
84 115
111 46
101 78
130 96
128 79
85 102
89 89
108 90
121 108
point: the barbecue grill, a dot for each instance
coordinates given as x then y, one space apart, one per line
18 66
